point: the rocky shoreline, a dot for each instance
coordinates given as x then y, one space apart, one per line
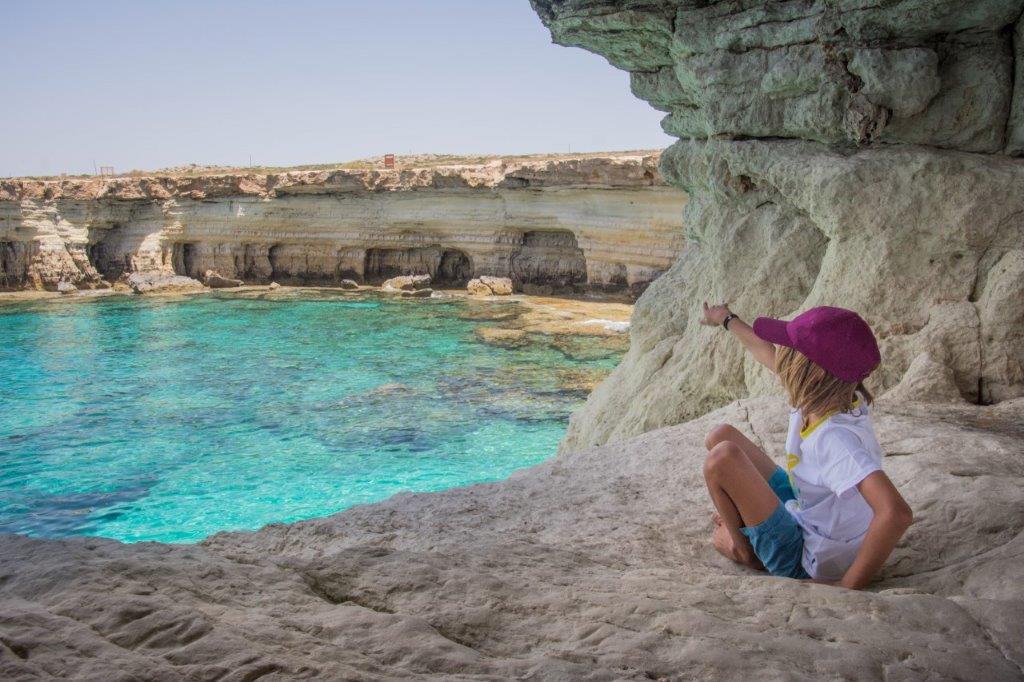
509 320
594 565
570 223
855 154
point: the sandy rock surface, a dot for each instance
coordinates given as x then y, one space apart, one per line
407 282
499 286
537 289
477 288
215 280
426 292
594 565
503 338
149 282
486 285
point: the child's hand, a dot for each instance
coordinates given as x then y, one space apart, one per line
763 351
714 315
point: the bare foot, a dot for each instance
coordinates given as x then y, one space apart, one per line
723 541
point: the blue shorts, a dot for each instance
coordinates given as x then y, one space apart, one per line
778 540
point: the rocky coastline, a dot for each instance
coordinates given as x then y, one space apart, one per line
598 222
594 565
860 154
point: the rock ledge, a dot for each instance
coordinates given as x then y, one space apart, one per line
594 565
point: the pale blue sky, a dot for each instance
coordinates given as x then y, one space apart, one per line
154 83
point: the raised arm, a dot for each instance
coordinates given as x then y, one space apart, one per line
891 520
763 351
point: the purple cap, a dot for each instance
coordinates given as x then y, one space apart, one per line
835 339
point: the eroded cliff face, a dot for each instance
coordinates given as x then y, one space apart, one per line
606 221
835 153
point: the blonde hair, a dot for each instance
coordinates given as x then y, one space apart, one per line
811 389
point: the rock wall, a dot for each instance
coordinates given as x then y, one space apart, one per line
844 153
600 221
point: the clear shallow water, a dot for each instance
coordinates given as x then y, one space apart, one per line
146 419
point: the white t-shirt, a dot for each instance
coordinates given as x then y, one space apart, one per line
825 462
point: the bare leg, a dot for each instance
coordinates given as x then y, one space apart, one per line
724 432
742 497
762 462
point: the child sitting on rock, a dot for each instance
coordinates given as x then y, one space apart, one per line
831 515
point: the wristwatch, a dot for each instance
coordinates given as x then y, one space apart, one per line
728 318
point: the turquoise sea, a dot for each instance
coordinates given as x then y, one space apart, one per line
171 419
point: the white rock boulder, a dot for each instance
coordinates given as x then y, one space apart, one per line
214 280
499 286
486 285
407 282
163 282
477 288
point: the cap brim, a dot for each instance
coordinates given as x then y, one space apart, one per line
773 331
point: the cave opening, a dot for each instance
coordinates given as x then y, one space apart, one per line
350 264
252 263
276 257
188 259
382 264
245 263
455 268
617 277
450 267
302 264
549 257
184 259
14 261
108 254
